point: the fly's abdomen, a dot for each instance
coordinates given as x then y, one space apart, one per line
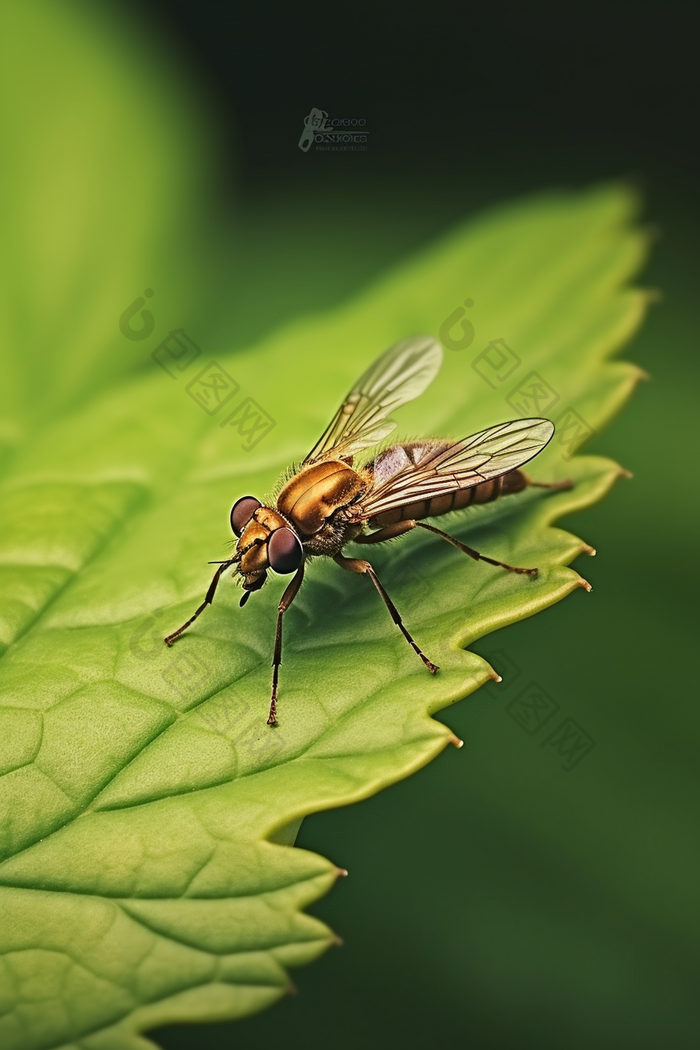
486 492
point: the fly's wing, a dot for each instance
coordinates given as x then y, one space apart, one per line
443 469
399 375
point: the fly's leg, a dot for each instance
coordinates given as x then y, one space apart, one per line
207 601
364 568
286 600
386 533
471 552
400 527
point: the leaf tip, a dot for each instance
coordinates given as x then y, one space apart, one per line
341 873
456 742
495 676
585 584
587 549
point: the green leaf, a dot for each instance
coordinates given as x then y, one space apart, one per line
147 810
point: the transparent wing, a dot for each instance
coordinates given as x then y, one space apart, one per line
441 469
399 375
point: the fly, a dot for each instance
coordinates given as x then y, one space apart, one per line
329 501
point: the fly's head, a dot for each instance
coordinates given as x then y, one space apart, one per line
265 541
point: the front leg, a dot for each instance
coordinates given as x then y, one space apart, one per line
286 600
363 567
207 601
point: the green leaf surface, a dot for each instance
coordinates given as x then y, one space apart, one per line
147 810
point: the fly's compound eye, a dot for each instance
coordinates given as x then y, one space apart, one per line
242 511
284 551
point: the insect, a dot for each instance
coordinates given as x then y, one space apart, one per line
329 500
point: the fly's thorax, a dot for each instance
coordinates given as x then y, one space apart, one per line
313 495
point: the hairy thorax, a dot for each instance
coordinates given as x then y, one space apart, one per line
316 502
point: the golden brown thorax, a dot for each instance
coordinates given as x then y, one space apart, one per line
312 495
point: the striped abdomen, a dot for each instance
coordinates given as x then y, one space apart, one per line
397 458
432 508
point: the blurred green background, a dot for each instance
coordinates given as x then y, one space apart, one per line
494 900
